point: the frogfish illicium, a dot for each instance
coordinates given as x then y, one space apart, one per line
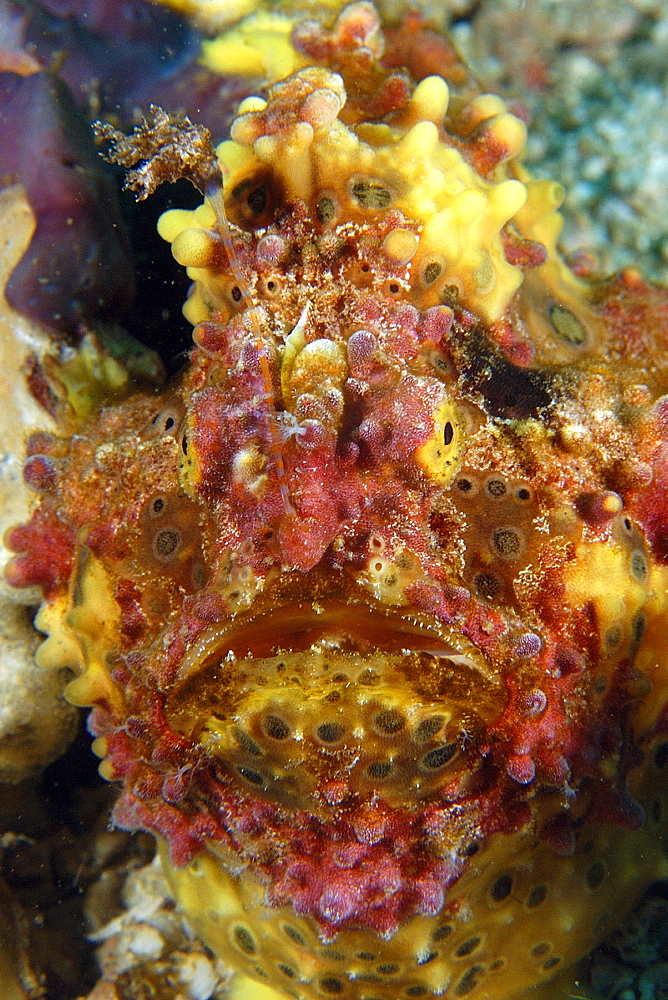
370 604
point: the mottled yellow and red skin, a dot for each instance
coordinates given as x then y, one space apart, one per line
341 487
151 490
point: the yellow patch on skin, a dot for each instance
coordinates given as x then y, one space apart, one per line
259 46
196 308
400 245
318 368
193 247
600 574
190 469
90 376
61 647
404 166
173 222
294 343
440 455
243 988
94 620
430 99
652 656
248 467
100 746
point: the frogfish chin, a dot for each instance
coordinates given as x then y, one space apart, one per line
370 605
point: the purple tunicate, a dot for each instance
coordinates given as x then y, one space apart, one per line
78 266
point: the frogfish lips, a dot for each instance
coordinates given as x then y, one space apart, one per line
316 704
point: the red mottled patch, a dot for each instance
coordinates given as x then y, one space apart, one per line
558 833
40 473
521 252
514 343
356 32
423 51
649 506
637 314
484 151
45 548
134 623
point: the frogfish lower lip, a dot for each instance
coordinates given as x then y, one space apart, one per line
313 702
